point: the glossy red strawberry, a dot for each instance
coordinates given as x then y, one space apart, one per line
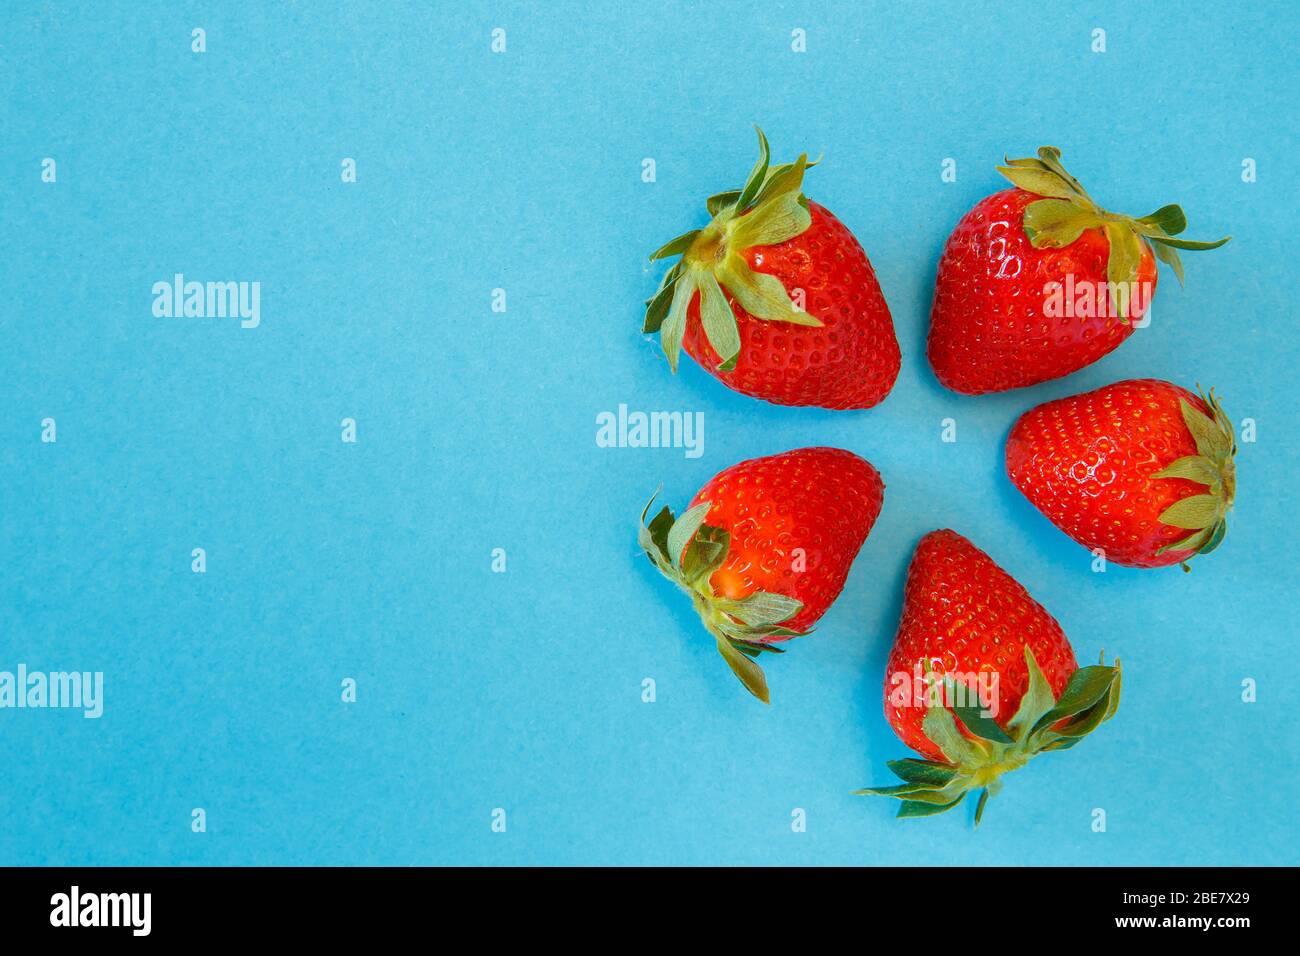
1140 471
776 299
980 679
765 547
1039 281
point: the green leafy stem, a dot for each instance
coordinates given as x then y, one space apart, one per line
768 210
1205 514
688 552
1067 210
976 760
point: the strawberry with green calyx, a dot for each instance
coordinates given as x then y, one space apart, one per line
765 547
776 299
975 760
1141 471
980 679
1039 281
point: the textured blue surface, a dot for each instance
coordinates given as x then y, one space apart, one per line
476 429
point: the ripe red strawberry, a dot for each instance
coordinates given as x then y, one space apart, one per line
980 679
780 536
1142 470
1038 281
729 298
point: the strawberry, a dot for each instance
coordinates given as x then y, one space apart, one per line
765 547
1141 471
1038 281
980 679
728 298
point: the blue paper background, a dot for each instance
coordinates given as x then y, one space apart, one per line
522 170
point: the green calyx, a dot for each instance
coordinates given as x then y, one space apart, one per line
770 209
1067 210
687 552
1206 514
976 763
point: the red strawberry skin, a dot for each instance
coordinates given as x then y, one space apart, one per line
1086 462
963 614
823 500
852 361
989 331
